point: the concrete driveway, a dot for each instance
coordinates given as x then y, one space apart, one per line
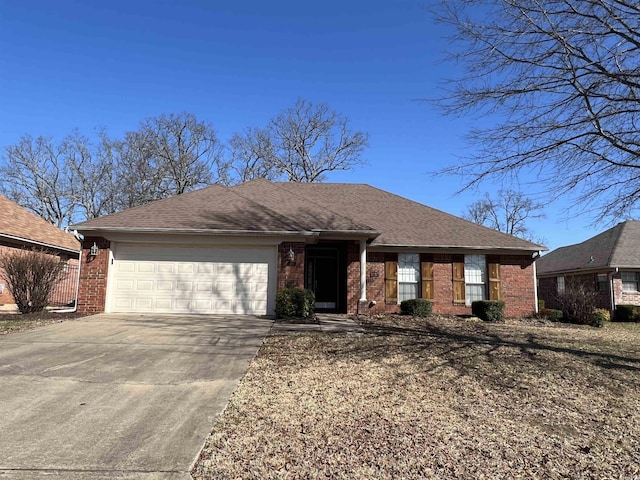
118 396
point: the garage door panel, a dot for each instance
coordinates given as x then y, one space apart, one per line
185 279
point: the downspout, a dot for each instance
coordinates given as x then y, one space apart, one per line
535 282
612 293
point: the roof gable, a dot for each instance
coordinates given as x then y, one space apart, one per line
25 227
617 247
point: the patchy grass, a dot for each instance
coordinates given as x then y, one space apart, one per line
15 322
437 398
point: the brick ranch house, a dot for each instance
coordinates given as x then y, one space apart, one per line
227 250
608 263
20 229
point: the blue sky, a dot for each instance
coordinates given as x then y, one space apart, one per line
88 64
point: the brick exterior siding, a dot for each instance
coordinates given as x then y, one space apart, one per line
291 274
622 297
516 272
548 289
93 276
516 279
5 297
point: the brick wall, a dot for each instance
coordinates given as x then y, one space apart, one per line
291 274
93 276
548 289
353 276
516 273
5 297
622 297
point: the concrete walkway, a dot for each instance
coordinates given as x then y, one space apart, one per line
118 396
324 322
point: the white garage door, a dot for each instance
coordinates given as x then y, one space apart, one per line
183 279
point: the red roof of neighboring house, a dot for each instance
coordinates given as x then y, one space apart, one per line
20 226
355 210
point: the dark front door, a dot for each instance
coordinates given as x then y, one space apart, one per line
323 277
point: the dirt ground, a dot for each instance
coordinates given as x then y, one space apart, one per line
437 398
15 322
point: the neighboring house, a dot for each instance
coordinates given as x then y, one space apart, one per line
228 250
609 263
20 229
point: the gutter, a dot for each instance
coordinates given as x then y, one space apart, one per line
42 244
198 231
611 291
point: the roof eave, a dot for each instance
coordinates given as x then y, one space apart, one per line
535 248
225 232
574 271
41 244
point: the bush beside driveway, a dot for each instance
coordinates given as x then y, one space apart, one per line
438 398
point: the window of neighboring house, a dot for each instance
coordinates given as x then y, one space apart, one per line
475 278
408 276
629 281
560 284
602 282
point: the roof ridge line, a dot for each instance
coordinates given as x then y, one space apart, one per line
622 226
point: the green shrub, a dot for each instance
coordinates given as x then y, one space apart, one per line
418 307
488 310
600 315
295 303
626 313
551 314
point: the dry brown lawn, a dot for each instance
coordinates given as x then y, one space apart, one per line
437 398
15 322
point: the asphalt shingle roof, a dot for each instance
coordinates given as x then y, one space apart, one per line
20 224
263 206
617 247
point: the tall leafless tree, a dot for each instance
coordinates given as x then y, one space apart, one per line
507 212
301 144
82 177
185 151
34 175
561 79
93 185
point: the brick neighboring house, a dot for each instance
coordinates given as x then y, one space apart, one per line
609 263
360 249
20 229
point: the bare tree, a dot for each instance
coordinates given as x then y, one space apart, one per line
34 175
301 144
82 177
185 151
250 155
561 79
508 212
93 181
31 277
